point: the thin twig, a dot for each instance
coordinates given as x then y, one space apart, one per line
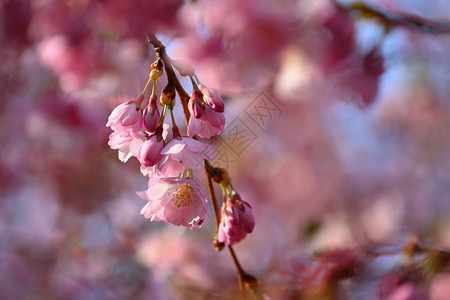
239 271
397 19
161 53
212 194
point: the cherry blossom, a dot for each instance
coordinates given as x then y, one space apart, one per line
179 201
212 98
151 115
122 144
126 119
237 221
150 151
204 121
183 153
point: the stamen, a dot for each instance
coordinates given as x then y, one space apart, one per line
183 196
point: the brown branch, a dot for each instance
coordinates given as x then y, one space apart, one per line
161 53
211 192
239 271
397 19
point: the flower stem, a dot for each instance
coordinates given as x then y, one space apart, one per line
163 116
196 78
194 85
160 52
155 84
147 85
173 118
144 92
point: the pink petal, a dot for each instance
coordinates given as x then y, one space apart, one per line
173 147
156 190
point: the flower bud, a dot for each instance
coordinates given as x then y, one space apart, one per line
151 115
195 104
156 70
155 74
237 221
219 175
150 152
157 64
218 245
212 98
168 95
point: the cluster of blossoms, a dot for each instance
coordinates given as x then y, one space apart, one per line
169 160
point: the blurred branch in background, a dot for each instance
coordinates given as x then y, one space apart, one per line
391 19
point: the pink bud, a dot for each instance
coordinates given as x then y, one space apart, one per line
237 221
212 98
195 104
150 152
151 115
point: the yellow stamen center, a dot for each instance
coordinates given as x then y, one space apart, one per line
183 196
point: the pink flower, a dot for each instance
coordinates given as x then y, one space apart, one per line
183 153
212 98
196 105
180 201
150 151
209 124
204 121
151 115
122 143
126 119
237 221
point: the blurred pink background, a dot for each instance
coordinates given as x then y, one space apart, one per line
345 143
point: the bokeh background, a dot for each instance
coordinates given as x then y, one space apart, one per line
347 123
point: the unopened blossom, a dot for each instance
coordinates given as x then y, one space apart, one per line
209 124
237 221
151 115
196 106
212 98
156 70
184 152
204 121
150 151
179 201
126 119
168 95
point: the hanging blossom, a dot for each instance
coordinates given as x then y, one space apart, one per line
236 222
212 98
207 119
183 152
179 201
126 119
126 122
122 144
